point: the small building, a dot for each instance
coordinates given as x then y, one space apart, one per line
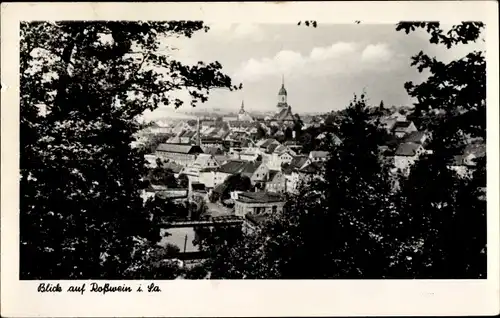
406 155
280 156
403 128
256 171
418 137
207 177
276 182
465 163
298 162
315 156
179 153
265 144
258 203
249 155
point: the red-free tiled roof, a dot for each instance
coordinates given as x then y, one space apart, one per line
179 148
259 197
407 149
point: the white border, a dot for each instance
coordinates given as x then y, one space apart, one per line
249 298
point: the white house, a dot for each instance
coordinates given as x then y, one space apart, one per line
315 156
403 128
406 155
258 203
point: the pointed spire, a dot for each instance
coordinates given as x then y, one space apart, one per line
242 104
282 80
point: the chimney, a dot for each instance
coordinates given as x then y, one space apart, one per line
198 133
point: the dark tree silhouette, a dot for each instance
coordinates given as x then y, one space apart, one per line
80 206
235 182
444 216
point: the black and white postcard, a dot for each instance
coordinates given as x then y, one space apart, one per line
249 159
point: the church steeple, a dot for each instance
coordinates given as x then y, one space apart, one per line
282 94
242 109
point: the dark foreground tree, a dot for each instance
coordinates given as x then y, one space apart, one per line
236 182
443 216
80 204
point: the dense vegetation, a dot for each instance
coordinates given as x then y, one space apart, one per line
81 211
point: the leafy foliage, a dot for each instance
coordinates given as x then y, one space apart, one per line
80 179
236 182
444 220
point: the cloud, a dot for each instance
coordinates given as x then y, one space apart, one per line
236 31
335 50
338 58
376 53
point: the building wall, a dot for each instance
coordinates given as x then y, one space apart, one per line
261 174
276 160
243 208
249 157
207 178
292 182
277 185
408 130
179 158
220 177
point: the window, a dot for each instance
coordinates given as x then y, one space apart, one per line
275 209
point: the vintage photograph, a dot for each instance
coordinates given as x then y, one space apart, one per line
193 150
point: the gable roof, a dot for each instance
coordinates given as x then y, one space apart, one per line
203 159
172 166
298 161
221 159
239 167
415 136
272 174
401 125
259 197
318 154
284 114
272 147
250 167
280 149
179 148
232 166
407 149
268 142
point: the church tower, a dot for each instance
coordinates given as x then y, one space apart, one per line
282 95
243 115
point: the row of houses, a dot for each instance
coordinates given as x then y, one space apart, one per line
412 145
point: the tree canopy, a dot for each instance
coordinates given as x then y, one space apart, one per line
80 179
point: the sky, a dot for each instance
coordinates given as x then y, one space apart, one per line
322 67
